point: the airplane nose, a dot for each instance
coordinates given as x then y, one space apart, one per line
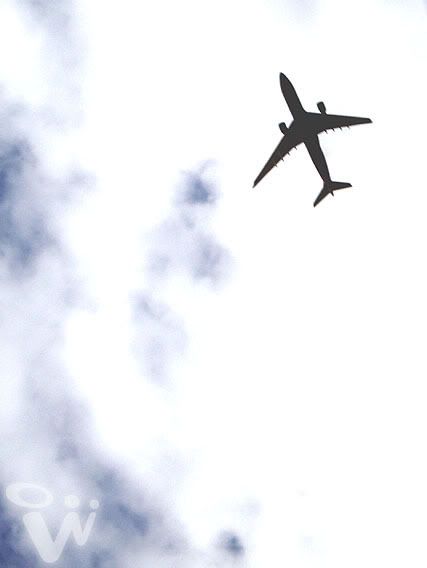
284 81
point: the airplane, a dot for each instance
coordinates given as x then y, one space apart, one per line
305 129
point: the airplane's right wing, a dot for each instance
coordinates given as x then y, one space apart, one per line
289 141
324 121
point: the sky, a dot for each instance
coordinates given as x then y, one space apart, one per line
236 377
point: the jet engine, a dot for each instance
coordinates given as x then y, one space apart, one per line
321 106
283 128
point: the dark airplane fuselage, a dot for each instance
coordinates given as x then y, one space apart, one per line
311 139
318 157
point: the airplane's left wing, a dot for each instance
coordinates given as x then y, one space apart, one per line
289 141
324 122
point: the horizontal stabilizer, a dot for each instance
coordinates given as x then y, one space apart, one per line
330 187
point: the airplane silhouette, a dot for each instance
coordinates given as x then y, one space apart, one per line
305 129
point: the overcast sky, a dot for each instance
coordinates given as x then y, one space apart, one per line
236 377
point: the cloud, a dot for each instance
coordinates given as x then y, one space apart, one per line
48 423
22 233
182 245
184 241
306 8
12 554
129 527
231 543
159 337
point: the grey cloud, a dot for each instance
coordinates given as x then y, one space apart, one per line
159 335
62 454
12 554
232 544
58 21
51 440
52 431
130 525
300 9
45 10
130 521
45 431
306 7
50 435
185 242
210 259
23 229
198 188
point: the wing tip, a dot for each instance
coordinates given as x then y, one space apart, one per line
256 182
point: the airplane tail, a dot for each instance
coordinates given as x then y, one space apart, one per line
329 187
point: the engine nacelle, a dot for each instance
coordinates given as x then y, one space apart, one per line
283 128
321 106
